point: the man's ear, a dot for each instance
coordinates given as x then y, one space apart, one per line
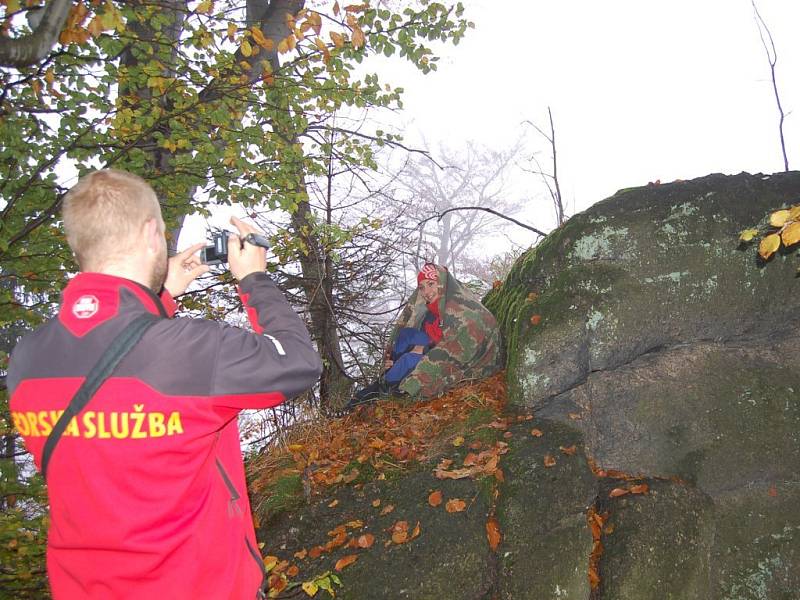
152 235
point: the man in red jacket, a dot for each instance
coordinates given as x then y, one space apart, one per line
146 485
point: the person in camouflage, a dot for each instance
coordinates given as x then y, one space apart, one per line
468 345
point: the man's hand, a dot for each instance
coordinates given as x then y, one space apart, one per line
183 269
248 259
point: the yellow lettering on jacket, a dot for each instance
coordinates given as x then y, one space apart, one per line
101 425
155 422
89 428
174 424
21 423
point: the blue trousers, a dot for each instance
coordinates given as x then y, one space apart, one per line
404 359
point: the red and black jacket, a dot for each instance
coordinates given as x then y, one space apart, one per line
146 487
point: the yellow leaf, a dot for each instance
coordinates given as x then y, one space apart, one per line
266 43
778 218
747 235
232 29
791 233
358 35
769 245
458 441
337 39
204 7
49 77
794 212
270 562
247 50
283 46
295 447
310 588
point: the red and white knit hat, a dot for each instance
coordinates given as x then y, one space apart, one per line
428 271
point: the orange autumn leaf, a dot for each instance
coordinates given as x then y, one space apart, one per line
387 509
277 583
616 492
316 552
293 571
594 578
345 561
498 475
536 433
493 533
549 461
301 554
773 491
639 489
333 504
435 498
536 319
455 505
415 532
496 284
400 532
366 540
569 450
376 503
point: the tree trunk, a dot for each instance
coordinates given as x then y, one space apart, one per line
30 49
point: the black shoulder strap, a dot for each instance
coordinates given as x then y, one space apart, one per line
123 343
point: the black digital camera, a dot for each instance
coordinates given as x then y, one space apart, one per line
217 252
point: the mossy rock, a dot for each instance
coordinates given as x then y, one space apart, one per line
659 544
542 512
645 269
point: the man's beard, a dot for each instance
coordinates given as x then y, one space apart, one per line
159 275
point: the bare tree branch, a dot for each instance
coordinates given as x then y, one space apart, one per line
772 59
439 216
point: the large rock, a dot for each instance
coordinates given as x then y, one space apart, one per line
642 323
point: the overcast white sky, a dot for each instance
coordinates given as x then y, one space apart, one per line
640 90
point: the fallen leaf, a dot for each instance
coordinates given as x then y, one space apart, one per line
270 562
791 234
293 571
455 505
496 284
444 463
400 532
435 499
616 492
642 488
769 245
376 503
356 524
609 529
779 218
569 450
575 416
747 235
366 540
345 561
310 588
458 441
532 297
498 475
549 461
301 554
536 433
387 509
276 584
415 532
773 491
316 552
333 504
507 434
295 447
536 319
493 533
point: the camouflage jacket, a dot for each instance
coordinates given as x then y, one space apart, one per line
470 347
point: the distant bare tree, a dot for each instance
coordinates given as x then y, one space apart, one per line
457 204
550 179
772 59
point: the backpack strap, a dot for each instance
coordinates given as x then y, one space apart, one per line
121 345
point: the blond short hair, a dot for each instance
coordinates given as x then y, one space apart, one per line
103 212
